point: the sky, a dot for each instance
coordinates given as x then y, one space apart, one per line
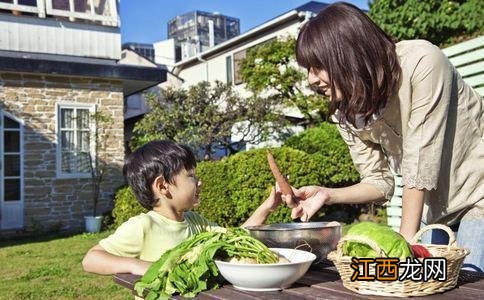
145 21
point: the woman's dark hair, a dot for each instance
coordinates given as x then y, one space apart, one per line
358 56
165 158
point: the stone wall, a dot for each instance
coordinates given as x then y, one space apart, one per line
50 202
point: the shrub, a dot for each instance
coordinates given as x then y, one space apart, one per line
439 21
328 148
125 206
235 186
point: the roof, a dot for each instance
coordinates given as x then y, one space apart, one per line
313 6
134 78
131 45
298 12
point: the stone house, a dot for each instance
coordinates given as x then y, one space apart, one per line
57 67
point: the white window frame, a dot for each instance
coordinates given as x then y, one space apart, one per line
112 19
23 8
22 154
92 146
231 55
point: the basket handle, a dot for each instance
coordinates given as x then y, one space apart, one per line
359 239
449 231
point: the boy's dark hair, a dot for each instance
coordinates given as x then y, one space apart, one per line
165 158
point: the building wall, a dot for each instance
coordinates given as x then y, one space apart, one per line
217 70
196 72
53 36
129 57
165 52
51 202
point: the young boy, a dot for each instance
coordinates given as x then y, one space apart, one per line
162 177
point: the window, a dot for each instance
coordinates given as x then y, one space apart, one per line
238 57
241 55
92 10
228 64
74 140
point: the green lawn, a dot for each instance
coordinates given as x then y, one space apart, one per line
46 268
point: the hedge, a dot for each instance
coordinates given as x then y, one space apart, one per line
326 145
125 206
232 188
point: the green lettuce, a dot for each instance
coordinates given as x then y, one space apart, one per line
189 268
392 243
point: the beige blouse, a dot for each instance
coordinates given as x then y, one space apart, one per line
431 133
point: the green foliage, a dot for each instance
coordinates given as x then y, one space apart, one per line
203 116
439 21
328 148
189 267
234 187
98 162
271 67
125 206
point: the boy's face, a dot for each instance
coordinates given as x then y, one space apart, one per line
185 190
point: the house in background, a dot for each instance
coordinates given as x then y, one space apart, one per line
135 105
59 64
222 62
145 50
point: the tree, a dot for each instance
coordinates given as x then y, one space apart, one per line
98 161
441 22
270 72
205 117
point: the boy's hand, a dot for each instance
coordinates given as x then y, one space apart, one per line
273 201
139 267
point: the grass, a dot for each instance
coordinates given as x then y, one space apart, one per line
50 268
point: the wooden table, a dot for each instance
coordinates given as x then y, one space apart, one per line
322 282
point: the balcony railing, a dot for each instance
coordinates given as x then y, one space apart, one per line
102 11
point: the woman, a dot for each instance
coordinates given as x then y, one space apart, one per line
403 108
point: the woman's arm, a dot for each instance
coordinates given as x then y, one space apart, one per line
312 198
99 261
412 207
355 194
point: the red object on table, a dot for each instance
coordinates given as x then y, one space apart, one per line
420 251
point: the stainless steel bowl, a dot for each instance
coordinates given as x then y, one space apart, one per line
319 238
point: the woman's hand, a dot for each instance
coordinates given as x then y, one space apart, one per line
309 199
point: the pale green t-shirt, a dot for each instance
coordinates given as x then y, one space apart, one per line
148 236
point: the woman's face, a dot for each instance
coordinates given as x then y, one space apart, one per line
319 80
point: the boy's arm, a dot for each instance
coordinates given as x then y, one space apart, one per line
99 261
264 210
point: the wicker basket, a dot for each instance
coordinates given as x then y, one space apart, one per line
406 288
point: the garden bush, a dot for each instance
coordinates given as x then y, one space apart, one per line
235 186
125 206
326 146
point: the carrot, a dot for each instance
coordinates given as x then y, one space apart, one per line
280 179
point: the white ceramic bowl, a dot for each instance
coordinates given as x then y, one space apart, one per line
267 277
